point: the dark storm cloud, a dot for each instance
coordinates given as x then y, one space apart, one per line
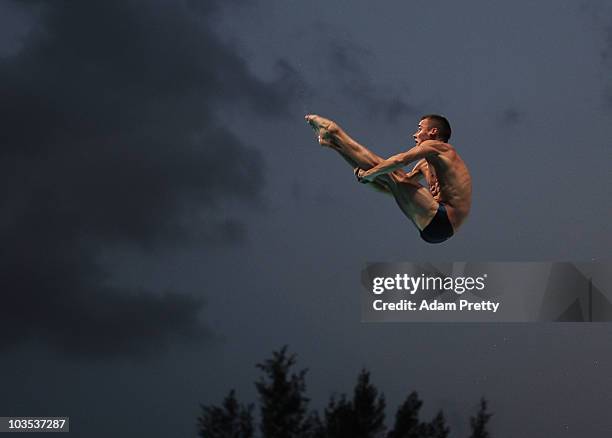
511 116
353 78
600 13
606 52
606 55
108 140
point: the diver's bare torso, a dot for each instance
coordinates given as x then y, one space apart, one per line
449 182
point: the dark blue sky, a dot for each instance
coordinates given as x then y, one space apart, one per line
168 218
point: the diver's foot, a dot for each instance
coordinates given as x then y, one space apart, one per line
326 129
318 122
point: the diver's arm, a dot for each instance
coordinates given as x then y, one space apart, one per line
417 172
425 149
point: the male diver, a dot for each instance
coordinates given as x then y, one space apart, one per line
437 210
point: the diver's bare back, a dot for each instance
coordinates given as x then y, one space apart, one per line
449 182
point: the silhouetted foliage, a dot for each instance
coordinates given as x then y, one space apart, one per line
362 417
231 420
339 418
284 411
407 424
479 422
369 408
314 427
437 427
281 393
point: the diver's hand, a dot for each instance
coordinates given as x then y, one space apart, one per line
361 175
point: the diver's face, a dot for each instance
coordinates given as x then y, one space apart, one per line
424 132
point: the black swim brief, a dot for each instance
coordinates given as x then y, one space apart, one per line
439 229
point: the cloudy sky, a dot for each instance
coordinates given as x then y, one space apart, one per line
168 219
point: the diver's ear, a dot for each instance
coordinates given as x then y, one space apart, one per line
433 132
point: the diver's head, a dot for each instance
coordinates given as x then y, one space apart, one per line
432 127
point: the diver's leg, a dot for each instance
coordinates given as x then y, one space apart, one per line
379 184
333 136
415 201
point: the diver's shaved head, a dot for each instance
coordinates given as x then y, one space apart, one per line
441 124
